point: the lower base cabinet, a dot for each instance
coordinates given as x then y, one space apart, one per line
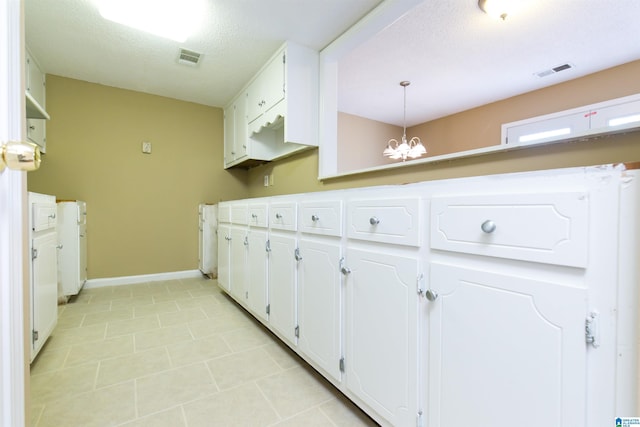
456 302
319 304
381 341
505 348
282 286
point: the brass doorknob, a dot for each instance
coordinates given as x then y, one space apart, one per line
21 156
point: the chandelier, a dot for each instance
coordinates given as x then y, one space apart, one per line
402 150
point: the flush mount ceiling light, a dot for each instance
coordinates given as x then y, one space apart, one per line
402 150
496 8
171 19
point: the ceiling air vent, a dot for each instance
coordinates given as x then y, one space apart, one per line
189 57
553 70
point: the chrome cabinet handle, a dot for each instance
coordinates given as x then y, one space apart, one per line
374 220
59 246
343 268
297 255
227 238
278 216
315 218
267 246
246 241
431 295
488 226
254 216
52 216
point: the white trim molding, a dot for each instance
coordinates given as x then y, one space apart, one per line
128 280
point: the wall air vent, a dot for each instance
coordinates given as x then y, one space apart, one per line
189 57
553 70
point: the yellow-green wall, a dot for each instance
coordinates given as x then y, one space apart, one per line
142 209
482 127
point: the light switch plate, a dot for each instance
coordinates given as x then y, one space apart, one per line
146 147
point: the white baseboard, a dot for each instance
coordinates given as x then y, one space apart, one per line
128 280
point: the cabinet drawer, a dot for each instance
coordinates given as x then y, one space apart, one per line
258 215
239 214
324 217
385 220
44 216
282 216
224 212
549 228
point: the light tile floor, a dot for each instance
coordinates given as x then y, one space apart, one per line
177 353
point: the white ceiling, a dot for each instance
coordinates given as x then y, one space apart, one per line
456 56
69 38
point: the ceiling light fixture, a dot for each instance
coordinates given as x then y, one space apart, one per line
495 8
402 150
171 19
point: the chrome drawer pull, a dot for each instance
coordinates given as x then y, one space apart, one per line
431 295
278 216
315 218
488 226
374 220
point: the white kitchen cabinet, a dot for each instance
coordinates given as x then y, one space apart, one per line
43 268
320 303
224 245
72 238
35 83
238 270
504 347
472 301
283 285
281 109
257 261
235 131
207 239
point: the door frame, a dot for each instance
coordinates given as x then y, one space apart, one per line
14 274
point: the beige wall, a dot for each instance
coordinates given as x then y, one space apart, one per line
482 126
142 209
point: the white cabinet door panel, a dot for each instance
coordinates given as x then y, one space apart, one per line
44 290
238 264
257 273
381 333
505 348
282 285
319 304
224 256
385 220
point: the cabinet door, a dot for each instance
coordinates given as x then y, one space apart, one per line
238 263
44 291
381 333
267 89
505 348
36 133
319 304
224 256
256 296
229 135
240 139
282 285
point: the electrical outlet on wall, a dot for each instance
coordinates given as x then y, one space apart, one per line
146 147
266 180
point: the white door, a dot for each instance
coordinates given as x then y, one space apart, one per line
224 256
381 333
238 263
282 285
13 221
319 304
505 348
44 293
257 273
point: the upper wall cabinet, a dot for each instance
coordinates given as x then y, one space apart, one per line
276 114
35 102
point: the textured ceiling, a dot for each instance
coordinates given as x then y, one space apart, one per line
456 56
69 38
